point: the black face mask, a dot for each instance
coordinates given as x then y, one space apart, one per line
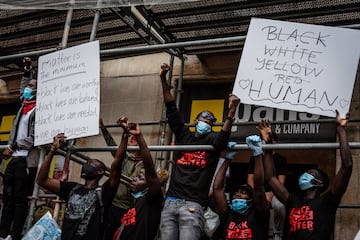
89 172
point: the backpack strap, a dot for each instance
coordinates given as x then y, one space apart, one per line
99 198
98 191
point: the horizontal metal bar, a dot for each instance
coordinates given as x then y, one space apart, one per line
27 54
327 120
353 145
151 48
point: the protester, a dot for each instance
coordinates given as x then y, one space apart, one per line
183 213
131 167
87 205
19 177
279 208
312 216
142 221
248 215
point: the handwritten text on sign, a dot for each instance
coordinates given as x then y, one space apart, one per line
300 67
68 93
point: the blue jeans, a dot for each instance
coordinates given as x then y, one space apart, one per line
181 220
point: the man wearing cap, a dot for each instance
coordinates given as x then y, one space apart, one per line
183 213
248 215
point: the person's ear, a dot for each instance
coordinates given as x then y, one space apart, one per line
316 182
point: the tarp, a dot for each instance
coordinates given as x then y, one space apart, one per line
80 4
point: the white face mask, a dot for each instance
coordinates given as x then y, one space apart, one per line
202 128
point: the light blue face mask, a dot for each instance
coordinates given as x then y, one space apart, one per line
202 128
240 205
306 181
27 94
139 194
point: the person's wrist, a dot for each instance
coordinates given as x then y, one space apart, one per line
126 132
231 112
231 119
257 152
9 148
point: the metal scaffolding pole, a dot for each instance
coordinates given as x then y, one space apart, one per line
67 24
177 101
287 146
95 21
159 161
142 49
35 195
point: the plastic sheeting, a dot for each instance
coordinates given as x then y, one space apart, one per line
80 4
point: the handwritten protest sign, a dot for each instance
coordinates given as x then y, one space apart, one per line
68 93
300 67
45 228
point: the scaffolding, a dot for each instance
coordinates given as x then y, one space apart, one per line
76 151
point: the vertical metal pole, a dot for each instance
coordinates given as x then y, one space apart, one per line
67 24
95 22
160 156
64 176
35 194
178 97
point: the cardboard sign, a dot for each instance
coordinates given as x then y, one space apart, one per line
299 67
68 93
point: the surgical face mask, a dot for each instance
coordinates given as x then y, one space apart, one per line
27 94
240 205
88 171
306 181
139 194
202 127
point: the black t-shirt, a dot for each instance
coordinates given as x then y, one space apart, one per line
248 226
193 170
311 219
280 164
142 221
82 217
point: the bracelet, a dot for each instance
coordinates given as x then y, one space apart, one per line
230 118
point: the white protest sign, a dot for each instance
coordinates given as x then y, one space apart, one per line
68 93
299 67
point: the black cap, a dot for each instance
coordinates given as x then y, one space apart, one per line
245 187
